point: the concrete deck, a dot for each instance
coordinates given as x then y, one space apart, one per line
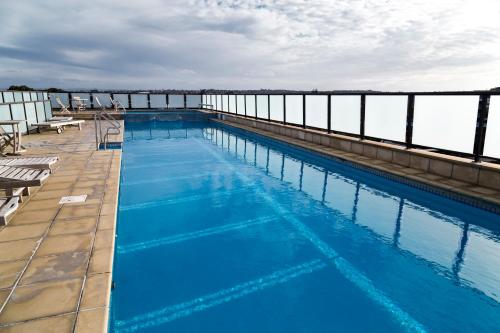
56 260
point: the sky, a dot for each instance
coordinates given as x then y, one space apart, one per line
239 44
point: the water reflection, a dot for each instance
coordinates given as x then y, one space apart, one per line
442 239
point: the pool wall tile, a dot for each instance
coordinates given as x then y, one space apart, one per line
440 168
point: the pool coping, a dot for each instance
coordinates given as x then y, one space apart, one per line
409 176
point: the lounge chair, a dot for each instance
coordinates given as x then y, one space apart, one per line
58 125
117 105
35 162
7 207
13 178
64 108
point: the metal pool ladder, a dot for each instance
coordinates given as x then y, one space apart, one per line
113 128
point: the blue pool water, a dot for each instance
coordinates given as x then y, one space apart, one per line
221 230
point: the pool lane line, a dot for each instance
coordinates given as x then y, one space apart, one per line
342 265
125 249
160 180
205 302
166 164
189 198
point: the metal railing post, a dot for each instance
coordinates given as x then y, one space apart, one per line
481 123
70 101
362 117
268 107
149 101
284 109
129 96
329 108
409 120
303 111
245 100
256 106
91 100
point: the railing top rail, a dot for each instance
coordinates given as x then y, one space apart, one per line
284 92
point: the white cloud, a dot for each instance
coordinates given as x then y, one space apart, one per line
297 44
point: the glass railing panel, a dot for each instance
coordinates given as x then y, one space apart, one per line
33 96
175 101
40 112
317 111
39 96
64 99
446 122
385 117
139 101
1 97
240 102
294 109
492 144
8 97
122 98
232 103
346 113
276 110
18 96
225 103
104 99
26 96
193 101
262 107
211 101
251 105
158 101
219 103
84 97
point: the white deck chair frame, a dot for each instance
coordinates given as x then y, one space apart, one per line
64 109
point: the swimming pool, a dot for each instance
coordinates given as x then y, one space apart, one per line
221 230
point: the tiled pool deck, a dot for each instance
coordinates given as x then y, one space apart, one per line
56 260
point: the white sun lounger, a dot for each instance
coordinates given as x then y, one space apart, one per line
58 125
35 162
7 207
13 178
